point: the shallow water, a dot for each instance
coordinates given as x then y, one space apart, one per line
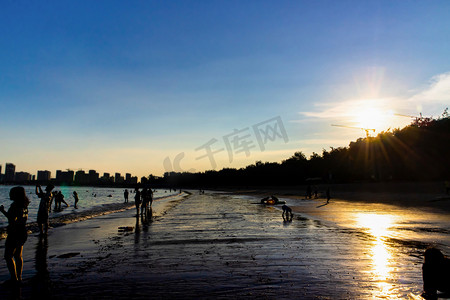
89 197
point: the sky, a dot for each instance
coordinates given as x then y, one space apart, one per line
146 87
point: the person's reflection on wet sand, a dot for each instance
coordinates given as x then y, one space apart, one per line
137 231
41 281
146 218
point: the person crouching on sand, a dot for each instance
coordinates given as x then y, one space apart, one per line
17 233
436 272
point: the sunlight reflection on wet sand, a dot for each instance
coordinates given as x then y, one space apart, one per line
378 226
391 240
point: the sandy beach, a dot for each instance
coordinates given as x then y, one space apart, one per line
221 245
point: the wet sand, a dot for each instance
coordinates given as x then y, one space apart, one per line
224 245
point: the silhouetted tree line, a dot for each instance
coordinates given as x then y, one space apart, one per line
419 152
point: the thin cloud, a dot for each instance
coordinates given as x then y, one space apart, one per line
433 99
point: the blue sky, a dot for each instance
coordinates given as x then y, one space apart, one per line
121 86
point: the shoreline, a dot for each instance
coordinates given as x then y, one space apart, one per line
96 211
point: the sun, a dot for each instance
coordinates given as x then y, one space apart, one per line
370 115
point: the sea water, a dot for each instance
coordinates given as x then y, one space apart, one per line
89 199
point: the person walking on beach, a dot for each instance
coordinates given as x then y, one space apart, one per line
328 195
125 195
17 233
75 196
137 200
44 207
144 196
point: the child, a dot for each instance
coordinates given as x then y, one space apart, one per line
44 207
17 233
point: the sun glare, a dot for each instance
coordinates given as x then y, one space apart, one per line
370 114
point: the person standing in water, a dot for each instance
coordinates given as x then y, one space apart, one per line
59 199
125 195
17 215
75 196
44 207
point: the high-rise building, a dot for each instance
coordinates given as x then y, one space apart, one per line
128 178
93 177
44 176
22 177
10 170
64 177
81 177
118 178
106 178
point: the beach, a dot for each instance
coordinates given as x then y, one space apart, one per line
224 244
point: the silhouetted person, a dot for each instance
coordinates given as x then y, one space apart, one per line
125 195
137 200
75 196
150 197
315 192
56 199
328 195
44 207
59 199
436 272
52 198
287 213
17 215
145 200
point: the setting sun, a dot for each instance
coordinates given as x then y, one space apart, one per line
372 118
370 115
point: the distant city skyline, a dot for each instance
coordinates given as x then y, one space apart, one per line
149 86
67 176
